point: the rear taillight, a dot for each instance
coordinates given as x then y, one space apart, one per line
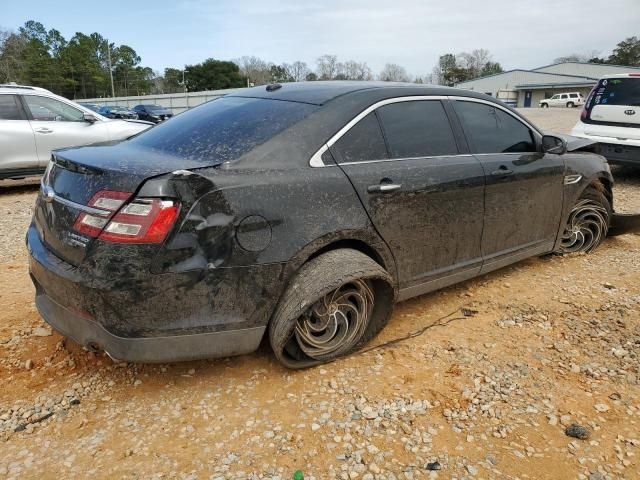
585 108
143 220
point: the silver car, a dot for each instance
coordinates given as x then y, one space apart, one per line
34 121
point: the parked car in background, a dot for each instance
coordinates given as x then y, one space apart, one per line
611 116
568 100
152 113
284 211
91 106
34 121
118 111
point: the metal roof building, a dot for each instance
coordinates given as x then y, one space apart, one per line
525 88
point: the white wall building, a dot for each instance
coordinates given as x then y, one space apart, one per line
525 88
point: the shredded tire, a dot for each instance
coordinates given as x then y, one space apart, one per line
337 274
588 223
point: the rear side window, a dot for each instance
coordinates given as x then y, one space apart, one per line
417 129
573 95
362 142
492 130
223 129
9 108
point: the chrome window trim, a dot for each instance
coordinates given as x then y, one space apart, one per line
316 160
457 155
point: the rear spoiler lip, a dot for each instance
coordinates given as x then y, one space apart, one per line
622 223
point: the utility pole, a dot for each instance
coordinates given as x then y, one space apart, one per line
113 92
184 85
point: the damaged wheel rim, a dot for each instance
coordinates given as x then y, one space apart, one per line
335 323
587 227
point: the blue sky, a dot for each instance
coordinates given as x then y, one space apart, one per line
519 34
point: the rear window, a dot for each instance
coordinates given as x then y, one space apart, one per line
223 129
617 91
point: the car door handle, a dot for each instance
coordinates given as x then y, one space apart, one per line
44 130
502 172
384 188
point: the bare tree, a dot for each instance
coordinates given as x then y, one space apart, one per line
12 47
255 69
328 67
298 70
353 70
578 57
475 61
393 72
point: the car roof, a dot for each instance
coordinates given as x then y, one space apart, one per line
621 75
15 89
322 92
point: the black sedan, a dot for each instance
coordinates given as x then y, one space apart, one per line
301 212
118 111
152 113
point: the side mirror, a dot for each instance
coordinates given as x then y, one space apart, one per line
553 144
89 118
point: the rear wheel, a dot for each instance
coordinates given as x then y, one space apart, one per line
570 105
588 223
336 302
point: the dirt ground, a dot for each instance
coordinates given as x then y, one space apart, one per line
554 341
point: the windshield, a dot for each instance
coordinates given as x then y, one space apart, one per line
156 108
223 129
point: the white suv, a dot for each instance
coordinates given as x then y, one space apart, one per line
569 100
34 121
611 117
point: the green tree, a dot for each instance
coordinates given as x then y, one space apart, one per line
627 52
213 75
491 68
280 74
172 80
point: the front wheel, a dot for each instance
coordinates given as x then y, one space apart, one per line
588 223
335 303
544 105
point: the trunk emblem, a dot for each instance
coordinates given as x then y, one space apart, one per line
48 194
630 112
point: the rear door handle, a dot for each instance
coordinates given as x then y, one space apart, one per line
502 172
44 130
384 188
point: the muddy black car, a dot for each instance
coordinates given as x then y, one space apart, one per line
301 212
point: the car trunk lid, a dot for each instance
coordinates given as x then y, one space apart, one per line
75 175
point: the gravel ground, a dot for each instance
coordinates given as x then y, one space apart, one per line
540 379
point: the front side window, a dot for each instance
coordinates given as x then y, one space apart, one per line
492 130
417 129
9 108
45 109
362 142
555 97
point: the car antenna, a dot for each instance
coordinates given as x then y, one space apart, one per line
273 87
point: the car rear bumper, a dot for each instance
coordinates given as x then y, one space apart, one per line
147 349
155 317
620 154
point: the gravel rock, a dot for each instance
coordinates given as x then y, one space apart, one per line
577 431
